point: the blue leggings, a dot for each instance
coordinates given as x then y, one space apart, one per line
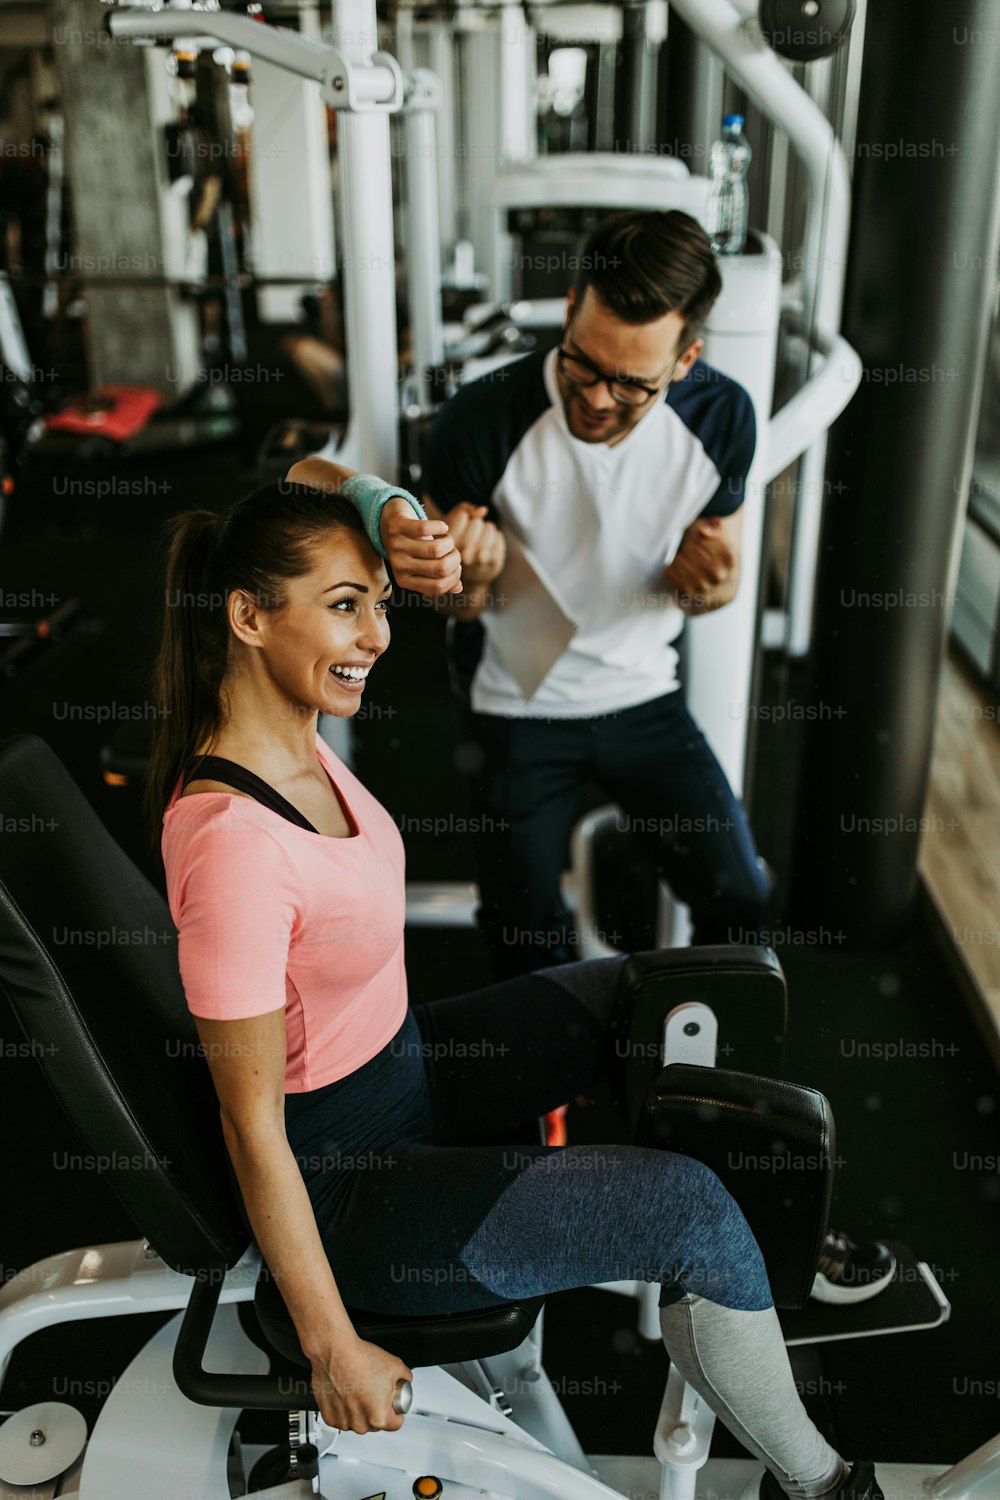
419 1214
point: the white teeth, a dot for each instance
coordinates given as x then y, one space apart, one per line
355 674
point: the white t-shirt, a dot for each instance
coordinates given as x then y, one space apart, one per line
602 521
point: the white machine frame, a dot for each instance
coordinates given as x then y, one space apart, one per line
493 1426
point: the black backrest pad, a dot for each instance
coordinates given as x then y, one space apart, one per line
88 962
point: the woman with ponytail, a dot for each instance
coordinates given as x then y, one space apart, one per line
362 1133
262 542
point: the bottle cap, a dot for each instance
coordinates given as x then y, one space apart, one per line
733 120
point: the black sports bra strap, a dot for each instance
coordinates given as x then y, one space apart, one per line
216 768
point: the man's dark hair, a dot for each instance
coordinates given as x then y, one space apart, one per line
643 265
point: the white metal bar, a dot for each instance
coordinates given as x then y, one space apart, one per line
683 1435
369 267
601 178
376 84
441 61
423 242
445 903
480 43
813 408
804 560
102 1281
647 1295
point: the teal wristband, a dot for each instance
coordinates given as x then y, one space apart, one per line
369 494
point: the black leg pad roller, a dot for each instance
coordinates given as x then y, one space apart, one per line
772 1145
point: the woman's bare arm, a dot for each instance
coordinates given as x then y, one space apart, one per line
354 1381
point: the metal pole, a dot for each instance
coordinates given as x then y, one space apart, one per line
636 101
368 264
423 238
923 250
441 61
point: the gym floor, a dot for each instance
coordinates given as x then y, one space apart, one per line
887 1035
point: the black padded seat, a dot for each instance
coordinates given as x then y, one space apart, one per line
430 1339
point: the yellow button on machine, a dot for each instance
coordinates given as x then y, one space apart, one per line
427 1487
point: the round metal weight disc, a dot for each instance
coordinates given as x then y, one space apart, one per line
40 1442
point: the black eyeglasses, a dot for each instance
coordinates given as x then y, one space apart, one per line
581 371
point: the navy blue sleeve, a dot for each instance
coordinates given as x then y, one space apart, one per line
734 459
476 431
456 461
720 413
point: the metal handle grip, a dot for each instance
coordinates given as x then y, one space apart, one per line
403 1399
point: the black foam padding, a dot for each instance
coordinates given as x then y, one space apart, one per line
437 1339
771 1143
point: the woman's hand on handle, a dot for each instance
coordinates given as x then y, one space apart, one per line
355 1385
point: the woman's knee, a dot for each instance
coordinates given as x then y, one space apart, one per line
719 1257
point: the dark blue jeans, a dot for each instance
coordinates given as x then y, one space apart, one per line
656 764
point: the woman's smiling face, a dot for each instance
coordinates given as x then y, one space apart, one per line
317 650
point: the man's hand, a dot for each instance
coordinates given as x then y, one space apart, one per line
705 571
424 556
481 543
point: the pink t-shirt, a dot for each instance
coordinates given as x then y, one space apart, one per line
270 915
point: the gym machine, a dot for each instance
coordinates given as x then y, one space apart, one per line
111 1031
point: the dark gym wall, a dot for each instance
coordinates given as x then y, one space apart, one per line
920 280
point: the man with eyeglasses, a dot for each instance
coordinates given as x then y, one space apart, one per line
619 460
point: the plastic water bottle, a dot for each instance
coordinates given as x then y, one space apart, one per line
728 201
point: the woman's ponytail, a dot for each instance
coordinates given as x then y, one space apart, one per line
192 656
